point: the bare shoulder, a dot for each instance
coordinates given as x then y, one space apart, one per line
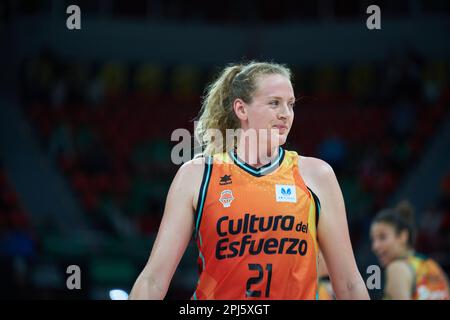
315 172
399 272
316 165
193 167
189 178
190 172
398 267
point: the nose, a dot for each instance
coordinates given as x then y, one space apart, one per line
375 246
284 112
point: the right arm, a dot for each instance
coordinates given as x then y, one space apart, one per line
174 233
333 233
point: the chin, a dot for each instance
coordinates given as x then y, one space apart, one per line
278 140
385 262
282 139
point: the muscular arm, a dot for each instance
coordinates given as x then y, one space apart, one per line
173 236
398 281
333 234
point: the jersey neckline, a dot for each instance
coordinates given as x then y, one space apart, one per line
261 171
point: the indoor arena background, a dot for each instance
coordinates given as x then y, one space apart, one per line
87 115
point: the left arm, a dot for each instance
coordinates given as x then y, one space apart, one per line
333 234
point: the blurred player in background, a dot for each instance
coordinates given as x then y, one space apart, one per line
409 275
252 206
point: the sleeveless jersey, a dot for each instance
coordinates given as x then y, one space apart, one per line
430 280
256 230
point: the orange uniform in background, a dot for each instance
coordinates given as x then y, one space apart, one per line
256 230
430 281
325 290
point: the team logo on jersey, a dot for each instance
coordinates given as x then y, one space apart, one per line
226 179
285 193
226 197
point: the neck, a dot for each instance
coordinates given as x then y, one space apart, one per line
407 252
256 155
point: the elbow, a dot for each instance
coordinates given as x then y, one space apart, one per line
147 288
352 289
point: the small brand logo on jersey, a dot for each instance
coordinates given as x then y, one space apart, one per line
226 179
226 196
285 193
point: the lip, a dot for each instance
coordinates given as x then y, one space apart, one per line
280 127
382 257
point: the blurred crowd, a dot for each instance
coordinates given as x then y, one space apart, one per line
18 243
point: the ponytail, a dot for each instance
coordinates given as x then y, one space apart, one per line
217 111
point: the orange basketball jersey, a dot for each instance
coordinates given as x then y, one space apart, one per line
430 280
256 230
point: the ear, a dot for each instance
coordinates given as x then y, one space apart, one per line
404 234
240 110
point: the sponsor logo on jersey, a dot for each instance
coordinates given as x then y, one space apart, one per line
239 237
285 193
226 197
226 179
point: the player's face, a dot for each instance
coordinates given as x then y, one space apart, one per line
272 107
386 243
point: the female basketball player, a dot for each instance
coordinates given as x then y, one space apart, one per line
252 206
408 275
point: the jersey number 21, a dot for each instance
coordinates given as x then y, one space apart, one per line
249 293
